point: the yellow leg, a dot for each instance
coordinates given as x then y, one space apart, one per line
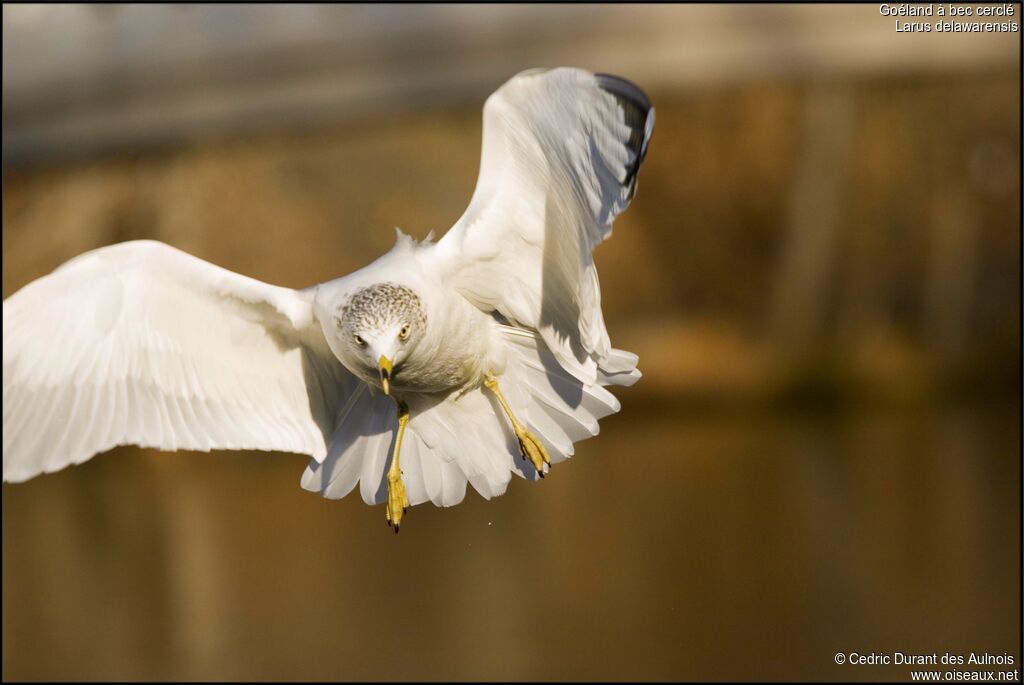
529 445
397 501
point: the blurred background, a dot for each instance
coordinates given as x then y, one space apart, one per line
820 273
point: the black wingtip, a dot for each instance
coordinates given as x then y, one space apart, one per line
638 114
625 89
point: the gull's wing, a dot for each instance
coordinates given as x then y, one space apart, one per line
140 343
561 151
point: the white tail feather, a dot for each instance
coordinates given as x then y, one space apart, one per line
466 436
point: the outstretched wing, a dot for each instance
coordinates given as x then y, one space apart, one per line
561 151
140 343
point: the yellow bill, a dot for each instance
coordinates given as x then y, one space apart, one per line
384 364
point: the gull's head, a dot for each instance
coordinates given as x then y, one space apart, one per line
381 324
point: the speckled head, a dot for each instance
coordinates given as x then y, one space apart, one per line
380 324
380 305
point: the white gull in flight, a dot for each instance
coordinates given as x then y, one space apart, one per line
467 359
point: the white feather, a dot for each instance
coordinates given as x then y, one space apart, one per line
139 343
466 435
556 169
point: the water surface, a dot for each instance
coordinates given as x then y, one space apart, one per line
674 546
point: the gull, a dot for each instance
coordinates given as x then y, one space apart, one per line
466 359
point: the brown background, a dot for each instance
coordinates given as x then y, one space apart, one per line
820 274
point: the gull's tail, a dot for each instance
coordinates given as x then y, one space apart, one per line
465 437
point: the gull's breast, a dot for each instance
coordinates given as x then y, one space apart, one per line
456 352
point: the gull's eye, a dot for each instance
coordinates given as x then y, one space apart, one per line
404 333
359 340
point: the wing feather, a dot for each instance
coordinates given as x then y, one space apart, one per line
139 343
561 151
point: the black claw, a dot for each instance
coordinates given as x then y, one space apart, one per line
396 529
540 473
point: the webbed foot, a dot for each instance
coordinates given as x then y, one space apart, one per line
533 449
398 502
530 445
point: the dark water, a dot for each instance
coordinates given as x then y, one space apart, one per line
671 547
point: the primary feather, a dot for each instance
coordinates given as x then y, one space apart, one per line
561 150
